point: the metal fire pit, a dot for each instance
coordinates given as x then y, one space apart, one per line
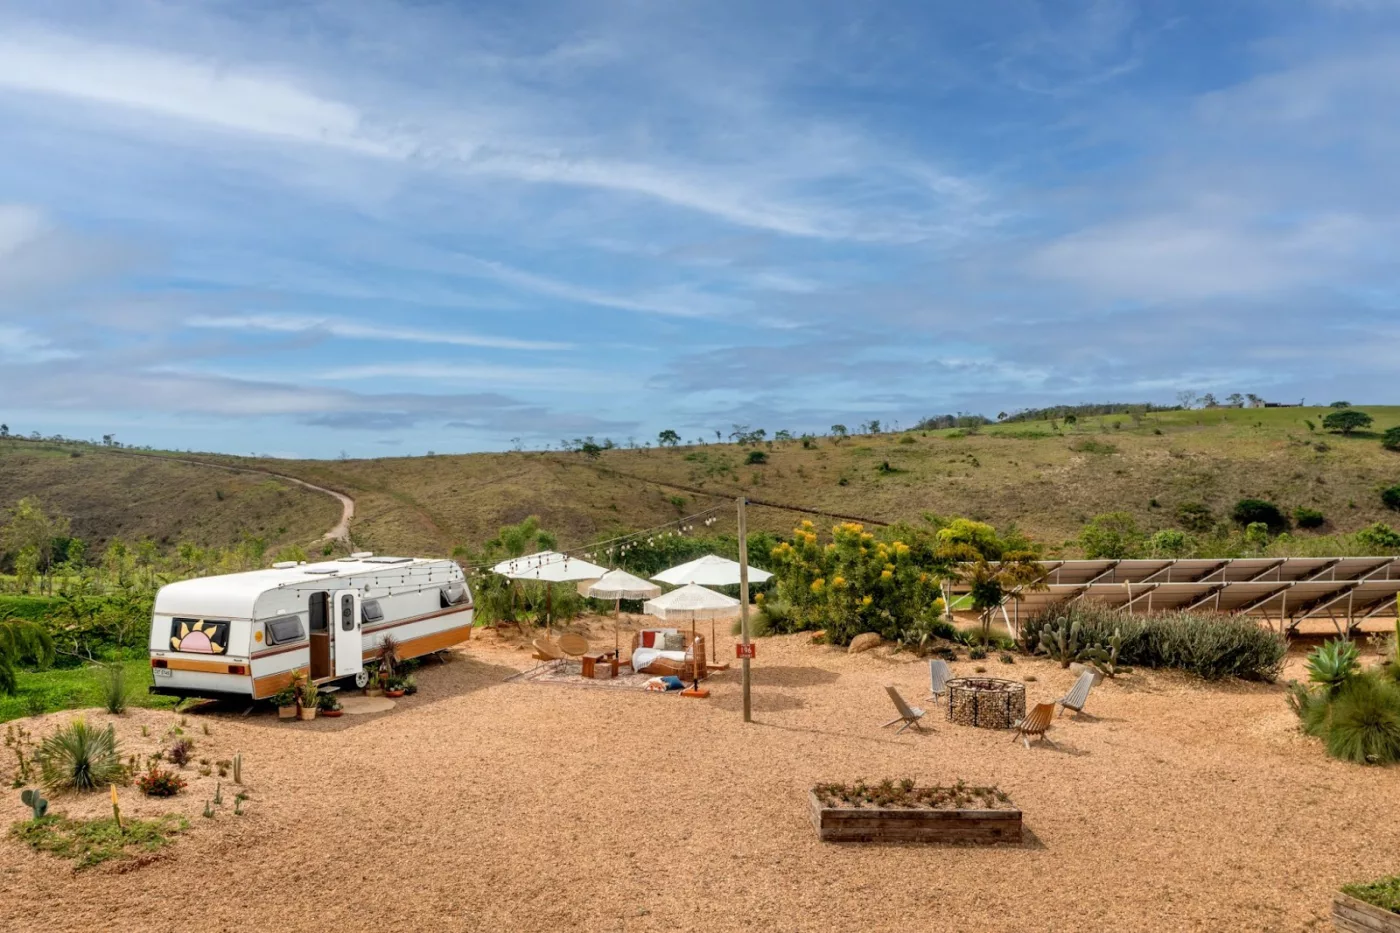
986 702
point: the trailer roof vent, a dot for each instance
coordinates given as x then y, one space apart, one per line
388 560
320 570
284 565
361 555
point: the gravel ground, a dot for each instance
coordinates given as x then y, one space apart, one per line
484 805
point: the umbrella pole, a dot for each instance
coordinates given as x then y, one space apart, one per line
617 618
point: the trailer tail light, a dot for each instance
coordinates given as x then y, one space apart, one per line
158 662
237 669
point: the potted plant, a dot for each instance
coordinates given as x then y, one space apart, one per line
388 657
329 705
286 702
374 687
410 686
394 686
309 698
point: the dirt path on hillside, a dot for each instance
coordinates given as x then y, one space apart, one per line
341 531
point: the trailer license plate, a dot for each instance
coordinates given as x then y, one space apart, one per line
162 671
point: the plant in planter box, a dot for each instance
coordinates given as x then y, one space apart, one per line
394 685
286 702
310 696
329 705
410 686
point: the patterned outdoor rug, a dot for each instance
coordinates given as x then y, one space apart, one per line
569 673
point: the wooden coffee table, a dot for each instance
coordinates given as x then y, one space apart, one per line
590 664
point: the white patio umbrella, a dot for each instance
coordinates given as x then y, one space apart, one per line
619 585
692 603
710 570
549 567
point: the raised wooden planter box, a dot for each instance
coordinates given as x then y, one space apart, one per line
848 824
1350 915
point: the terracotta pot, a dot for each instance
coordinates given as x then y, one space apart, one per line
393 693
308 713
287 712
332 713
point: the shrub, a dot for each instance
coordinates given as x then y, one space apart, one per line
1308 518
1207 645
1113 535
158 782
1379 536
180 752
1249 511
1391 497
1346 421
1390 440
80 757
1365 722
1384 893
113 680
1195 516
755 458
1169 542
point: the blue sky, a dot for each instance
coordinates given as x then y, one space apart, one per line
385 228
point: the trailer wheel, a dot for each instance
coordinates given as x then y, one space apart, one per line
362 679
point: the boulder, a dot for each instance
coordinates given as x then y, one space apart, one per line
864 642
1076 669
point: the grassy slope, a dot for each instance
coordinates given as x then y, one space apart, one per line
1047 483
77 688
109 495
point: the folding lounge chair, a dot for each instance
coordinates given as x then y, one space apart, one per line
1035 724
909 715
938 674
1078 695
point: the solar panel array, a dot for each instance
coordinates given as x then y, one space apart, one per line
1343 590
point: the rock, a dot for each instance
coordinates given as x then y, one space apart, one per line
819 637
863 642
1076 669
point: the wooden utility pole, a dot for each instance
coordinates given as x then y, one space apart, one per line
744 602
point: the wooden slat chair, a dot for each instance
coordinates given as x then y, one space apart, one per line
1036 724
909 715
938 674
1078 694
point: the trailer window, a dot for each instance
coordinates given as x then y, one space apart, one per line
347 612
201 636
371 611
283 631
452 594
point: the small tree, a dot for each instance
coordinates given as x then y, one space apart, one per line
1113 535
1169 542
668 438
1186 398
1208 401
1340 405
1390 440
1346 421
839 432
1235 399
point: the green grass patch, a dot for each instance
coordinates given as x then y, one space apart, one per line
31 608
1384 893
92 842
78 688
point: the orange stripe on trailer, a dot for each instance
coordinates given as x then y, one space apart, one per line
202 667
426 644
264 687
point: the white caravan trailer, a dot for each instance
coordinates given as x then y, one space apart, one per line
246 634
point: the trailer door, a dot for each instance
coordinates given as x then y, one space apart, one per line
349 642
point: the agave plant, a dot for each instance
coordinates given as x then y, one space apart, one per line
80 757
1333 665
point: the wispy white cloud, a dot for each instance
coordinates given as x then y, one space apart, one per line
354 330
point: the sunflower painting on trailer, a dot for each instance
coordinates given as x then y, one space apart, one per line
200 636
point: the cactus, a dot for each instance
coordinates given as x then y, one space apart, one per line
1104 658
36 802
219 793
238 804
238 768
208 811
1061 642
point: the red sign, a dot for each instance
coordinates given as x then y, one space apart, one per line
746 651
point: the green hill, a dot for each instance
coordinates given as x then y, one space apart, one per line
1048 478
